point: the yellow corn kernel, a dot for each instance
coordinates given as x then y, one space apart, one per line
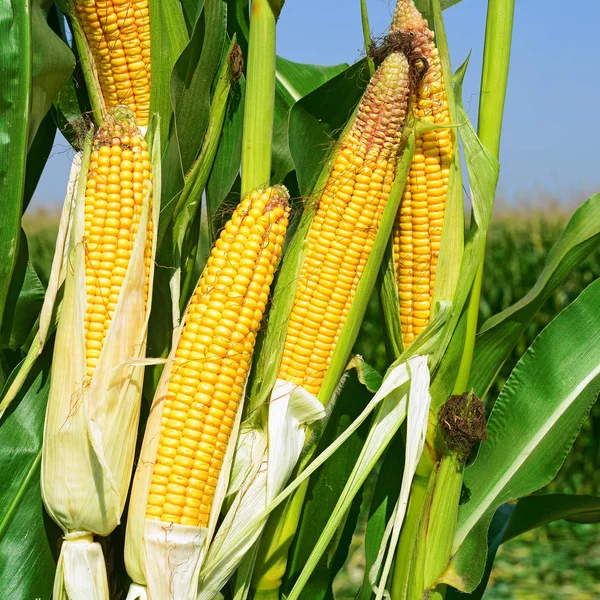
345 225
418 227
204 393
110 227
118 35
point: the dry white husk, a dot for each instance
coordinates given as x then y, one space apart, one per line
264 461
91 427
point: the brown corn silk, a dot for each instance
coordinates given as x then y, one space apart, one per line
118 180
213 358
118 36
346 222
418 227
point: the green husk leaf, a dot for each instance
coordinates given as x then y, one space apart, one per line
531 428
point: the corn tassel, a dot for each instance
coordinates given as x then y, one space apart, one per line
186 455
345 225
118 37
418 228
95 390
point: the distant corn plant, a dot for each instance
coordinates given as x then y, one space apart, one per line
259 426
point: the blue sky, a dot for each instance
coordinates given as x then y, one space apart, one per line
553 77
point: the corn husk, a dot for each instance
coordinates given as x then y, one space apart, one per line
50 307
90 429
264 462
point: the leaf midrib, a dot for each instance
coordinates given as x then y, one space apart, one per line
496 490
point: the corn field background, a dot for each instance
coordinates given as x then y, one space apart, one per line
531 566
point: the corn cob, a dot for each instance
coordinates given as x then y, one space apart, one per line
118 181
95 391
418 227
345 225
118 36
185 458
213 358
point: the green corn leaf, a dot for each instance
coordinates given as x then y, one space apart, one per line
535 511
24 302
28 537
317 119
500 334
531 428
169 38
190 88
385 494
191 12
34 64
53 63
296 80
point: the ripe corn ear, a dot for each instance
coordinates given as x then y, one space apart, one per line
418 228
94 401
338 245
118 37
184 467
345 225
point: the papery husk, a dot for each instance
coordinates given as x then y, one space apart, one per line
55 282
91 427
265 467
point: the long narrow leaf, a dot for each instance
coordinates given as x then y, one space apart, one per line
500 334
531 428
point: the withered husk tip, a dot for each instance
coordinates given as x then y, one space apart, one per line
462 420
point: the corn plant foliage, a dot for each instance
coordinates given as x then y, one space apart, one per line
29 539
24 301
531 428
535 511
34 64
169 38
385 493
500 333
191 82
317 120
323 492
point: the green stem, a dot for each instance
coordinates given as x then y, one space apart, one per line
494 77
366 29
275 542
259 108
